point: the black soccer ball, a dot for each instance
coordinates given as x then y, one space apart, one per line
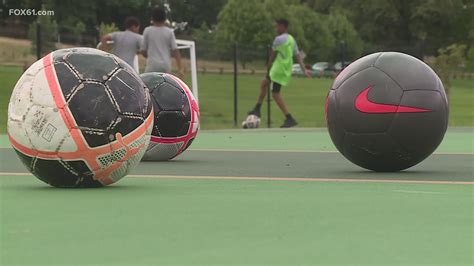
176 112
387 111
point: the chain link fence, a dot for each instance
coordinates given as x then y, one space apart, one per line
21 45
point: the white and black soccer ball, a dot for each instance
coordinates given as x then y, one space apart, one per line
80 117
252 121
176 122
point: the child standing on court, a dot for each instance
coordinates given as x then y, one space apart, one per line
284 49
159 44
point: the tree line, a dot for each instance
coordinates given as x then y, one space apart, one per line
417 27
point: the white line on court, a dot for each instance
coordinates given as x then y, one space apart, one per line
419 192
251 150
290 151
297 179
309 151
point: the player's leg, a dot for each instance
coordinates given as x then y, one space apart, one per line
261 96
289 121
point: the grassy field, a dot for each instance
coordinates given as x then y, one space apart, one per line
462 103
305 98
15 51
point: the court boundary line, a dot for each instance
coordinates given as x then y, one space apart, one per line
418 191
310 151
289 151
294 179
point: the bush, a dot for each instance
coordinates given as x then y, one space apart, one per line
343 31
107 28
470 56
49 34
448 58
246 23
312 33
78 30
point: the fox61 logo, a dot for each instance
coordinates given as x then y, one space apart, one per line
29 12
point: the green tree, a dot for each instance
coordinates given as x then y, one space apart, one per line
439 22
309 28
448 58
321 6
207 46
245 23
470 53
107 28
312 33
196 12
470 56
49 34
70 13
278 8
116 11
343 31
78 30
410 26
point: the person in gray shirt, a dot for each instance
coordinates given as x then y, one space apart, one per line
159 44
126 44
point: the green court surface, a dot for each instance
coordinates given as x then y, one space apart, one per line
261 197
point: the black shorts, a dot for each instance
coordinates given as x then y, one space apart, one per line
276 87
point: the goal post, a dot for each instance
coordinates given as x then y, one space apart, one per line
185 44
182 45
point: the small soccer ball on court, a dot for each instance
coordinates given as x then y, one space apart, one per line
252 121
176 118
80 117
387 111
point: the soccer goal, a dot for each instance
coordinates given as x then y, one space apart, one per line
182 45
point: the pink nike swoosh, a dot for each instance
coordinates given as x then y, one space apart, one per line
363 104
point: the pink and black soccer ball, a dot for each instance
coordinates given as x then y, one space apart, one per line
80 117
387 111
176 118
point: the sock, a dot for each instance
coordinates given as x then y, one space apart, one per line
288 116
258 106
